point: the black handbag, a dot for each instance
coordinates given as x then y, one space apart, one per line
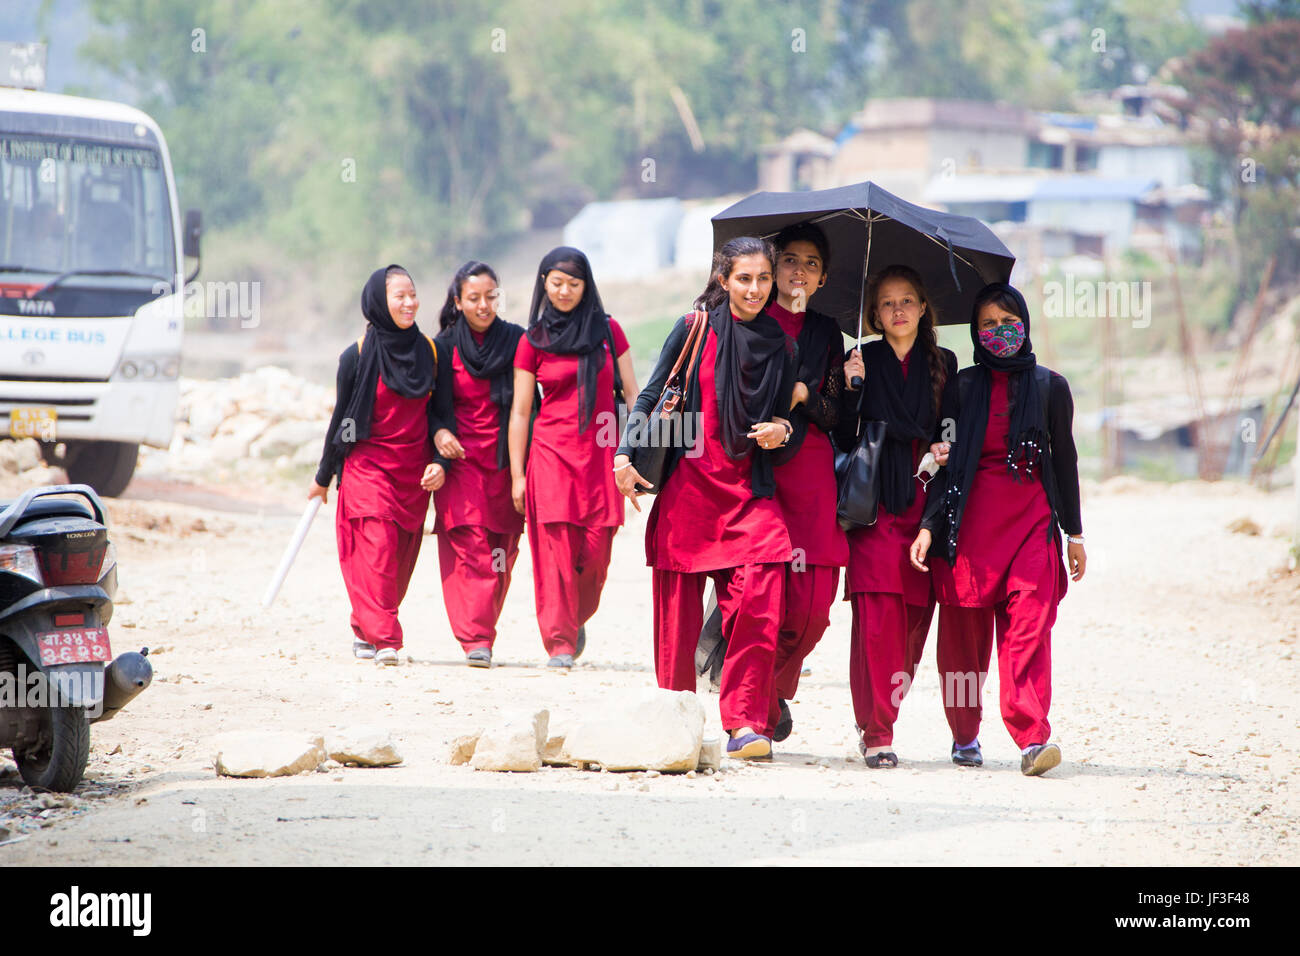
857 479
663 430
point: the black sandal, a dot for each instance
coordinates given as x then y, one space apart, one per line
886 759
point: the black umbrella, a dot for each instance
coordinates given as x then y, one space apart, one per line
869 228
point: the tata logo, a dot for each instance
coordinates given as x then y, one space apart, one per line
35 307
34 357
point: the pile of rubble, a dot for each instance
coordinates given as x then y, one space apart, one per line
265 421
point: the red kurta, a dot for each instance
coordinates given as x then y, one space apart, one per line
571 473
379 520
705 517
805 485
381 477
476 491
1003 545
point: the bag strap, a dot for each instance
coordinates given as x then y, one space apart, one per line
1043 376
613 354
694 339
427 338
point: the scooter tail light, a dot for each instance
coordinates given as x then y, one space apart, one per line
20 559
72 567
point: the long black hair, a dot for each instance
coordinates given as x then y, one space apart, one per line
449 314
925 334
724 260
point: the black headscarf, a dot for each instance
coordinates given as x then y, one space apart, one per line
403 358
906 406
493 360
581 331
1027 434
748 373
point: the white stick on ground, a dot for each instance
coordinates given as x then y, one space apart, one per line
291 552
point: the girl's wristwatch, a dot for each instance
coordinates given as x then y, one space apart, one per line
1074 538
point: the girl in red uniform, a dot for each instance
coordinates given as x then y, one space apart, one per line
905 375
1011 486
477 526
564 482
805 481
715 516
378 444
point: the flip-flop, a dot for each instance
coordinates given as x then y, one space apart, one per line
881 760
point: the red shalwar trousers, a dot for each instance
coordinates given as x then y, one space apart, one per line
887 640
1024 635
570 563
751 599
809 594
377 558
475 565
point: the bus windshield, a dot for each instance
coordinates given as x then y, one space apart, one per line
77 206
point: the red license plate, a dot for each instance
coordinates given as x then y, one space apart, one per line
75 645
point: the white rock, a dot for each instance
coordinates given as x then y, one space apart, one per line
8 457
710 754
513 744
232 445
206 416
462 749
660 730
268 754
27 454
287 437
367 746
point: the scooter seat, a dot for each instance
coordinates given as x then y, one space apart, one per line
53 508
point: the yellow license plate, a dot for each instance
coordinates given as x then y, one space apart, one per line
33 423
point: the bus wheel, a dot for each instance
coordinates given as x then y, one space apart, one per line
107 466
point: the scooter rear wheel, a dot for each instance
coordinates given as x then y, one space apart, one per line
60 763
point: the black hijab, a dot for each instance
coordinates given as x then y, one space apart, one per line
494 360
403 358
581 331
906 406
1027 434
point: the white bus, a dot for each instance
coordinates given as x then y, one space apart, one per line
91 281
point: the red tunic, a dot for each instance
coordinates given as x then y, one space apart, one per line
1003 545
805 485
381 477
878 560
571 473
476 491
706 518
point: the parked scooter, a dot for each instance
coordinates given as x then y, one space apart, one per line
58 578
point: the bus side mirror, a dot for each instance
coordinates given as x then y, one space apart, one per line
190 239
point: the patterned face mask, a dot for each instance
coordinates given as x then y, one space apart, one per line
1003 340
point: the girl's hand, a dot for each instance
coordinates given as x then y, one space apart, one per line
317 491
940 450
628 478
854 368
768 434
1077 560
920 548
433 477
518 485
800 394
448 445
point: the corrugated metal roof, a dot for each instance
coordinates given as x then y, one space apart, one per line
987 187
1094 187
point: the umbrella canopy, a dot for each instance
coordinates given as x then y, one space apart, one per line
869 228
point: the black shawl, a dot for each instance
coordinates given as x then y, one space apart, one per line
906 406
403 358
493 360
581 331
817 347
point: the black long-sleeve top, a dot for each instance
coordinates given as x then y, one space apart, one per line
848 425
1060 467
439 410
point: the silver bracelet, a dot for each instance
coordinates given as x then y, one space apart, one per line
618 468
1074 539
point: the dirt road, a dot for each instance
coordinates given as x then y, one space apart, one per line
1176 696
